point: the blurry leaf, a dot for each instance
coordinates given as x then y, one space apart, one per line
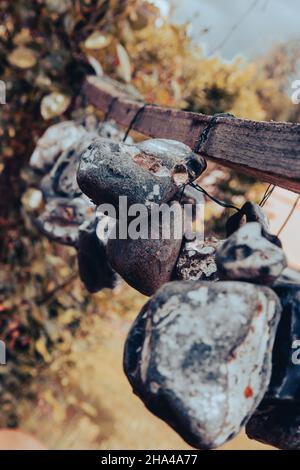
58 6
22 37
88 409
57 408
124 67
69 316
54 105
32 199
22 57
40 346
96 65
37 314
97 41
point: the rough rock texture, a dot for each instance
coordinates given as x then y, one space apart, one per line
94 268
277 425
55 141
148 172
277 421
199 356
247 255
59 138
197 261
285 383
62 217
288 276
146 263
251 212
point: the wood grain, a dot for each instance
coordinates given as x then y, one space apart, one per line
269 151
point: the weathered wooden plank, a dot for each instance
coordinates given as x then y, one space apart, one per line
269 151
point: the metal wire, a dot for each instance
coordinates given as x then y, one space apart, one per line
227 205
205 133
198 145
134 119
268 193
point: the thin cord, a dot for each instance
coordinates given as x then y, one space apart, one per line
289 216
134 119
109 108
268 193
217 201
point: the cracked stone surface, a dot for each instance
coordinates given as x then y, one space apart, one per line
247 255
277 420
148 172
199 356
197 260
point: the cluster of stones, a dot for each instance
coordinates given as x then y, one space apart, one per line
211 351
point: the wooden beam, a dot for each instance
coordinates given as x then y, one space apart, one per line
269 151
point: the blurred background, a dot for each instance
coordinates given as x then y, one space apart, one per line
63 381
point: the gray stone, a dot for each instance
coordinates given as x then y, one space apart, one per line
197 260
54 142
148 172
247 255
62 137
61 181
288 276
62 217
277 425
145 263
94 268
251 212
199 356
277 420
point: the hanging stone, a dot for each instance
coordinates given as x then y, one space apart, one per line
247 255
94 268
62 137
56 140
197 260
277 420
62 217
251 212
199 356
61 181
148 172
146 263
277 425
